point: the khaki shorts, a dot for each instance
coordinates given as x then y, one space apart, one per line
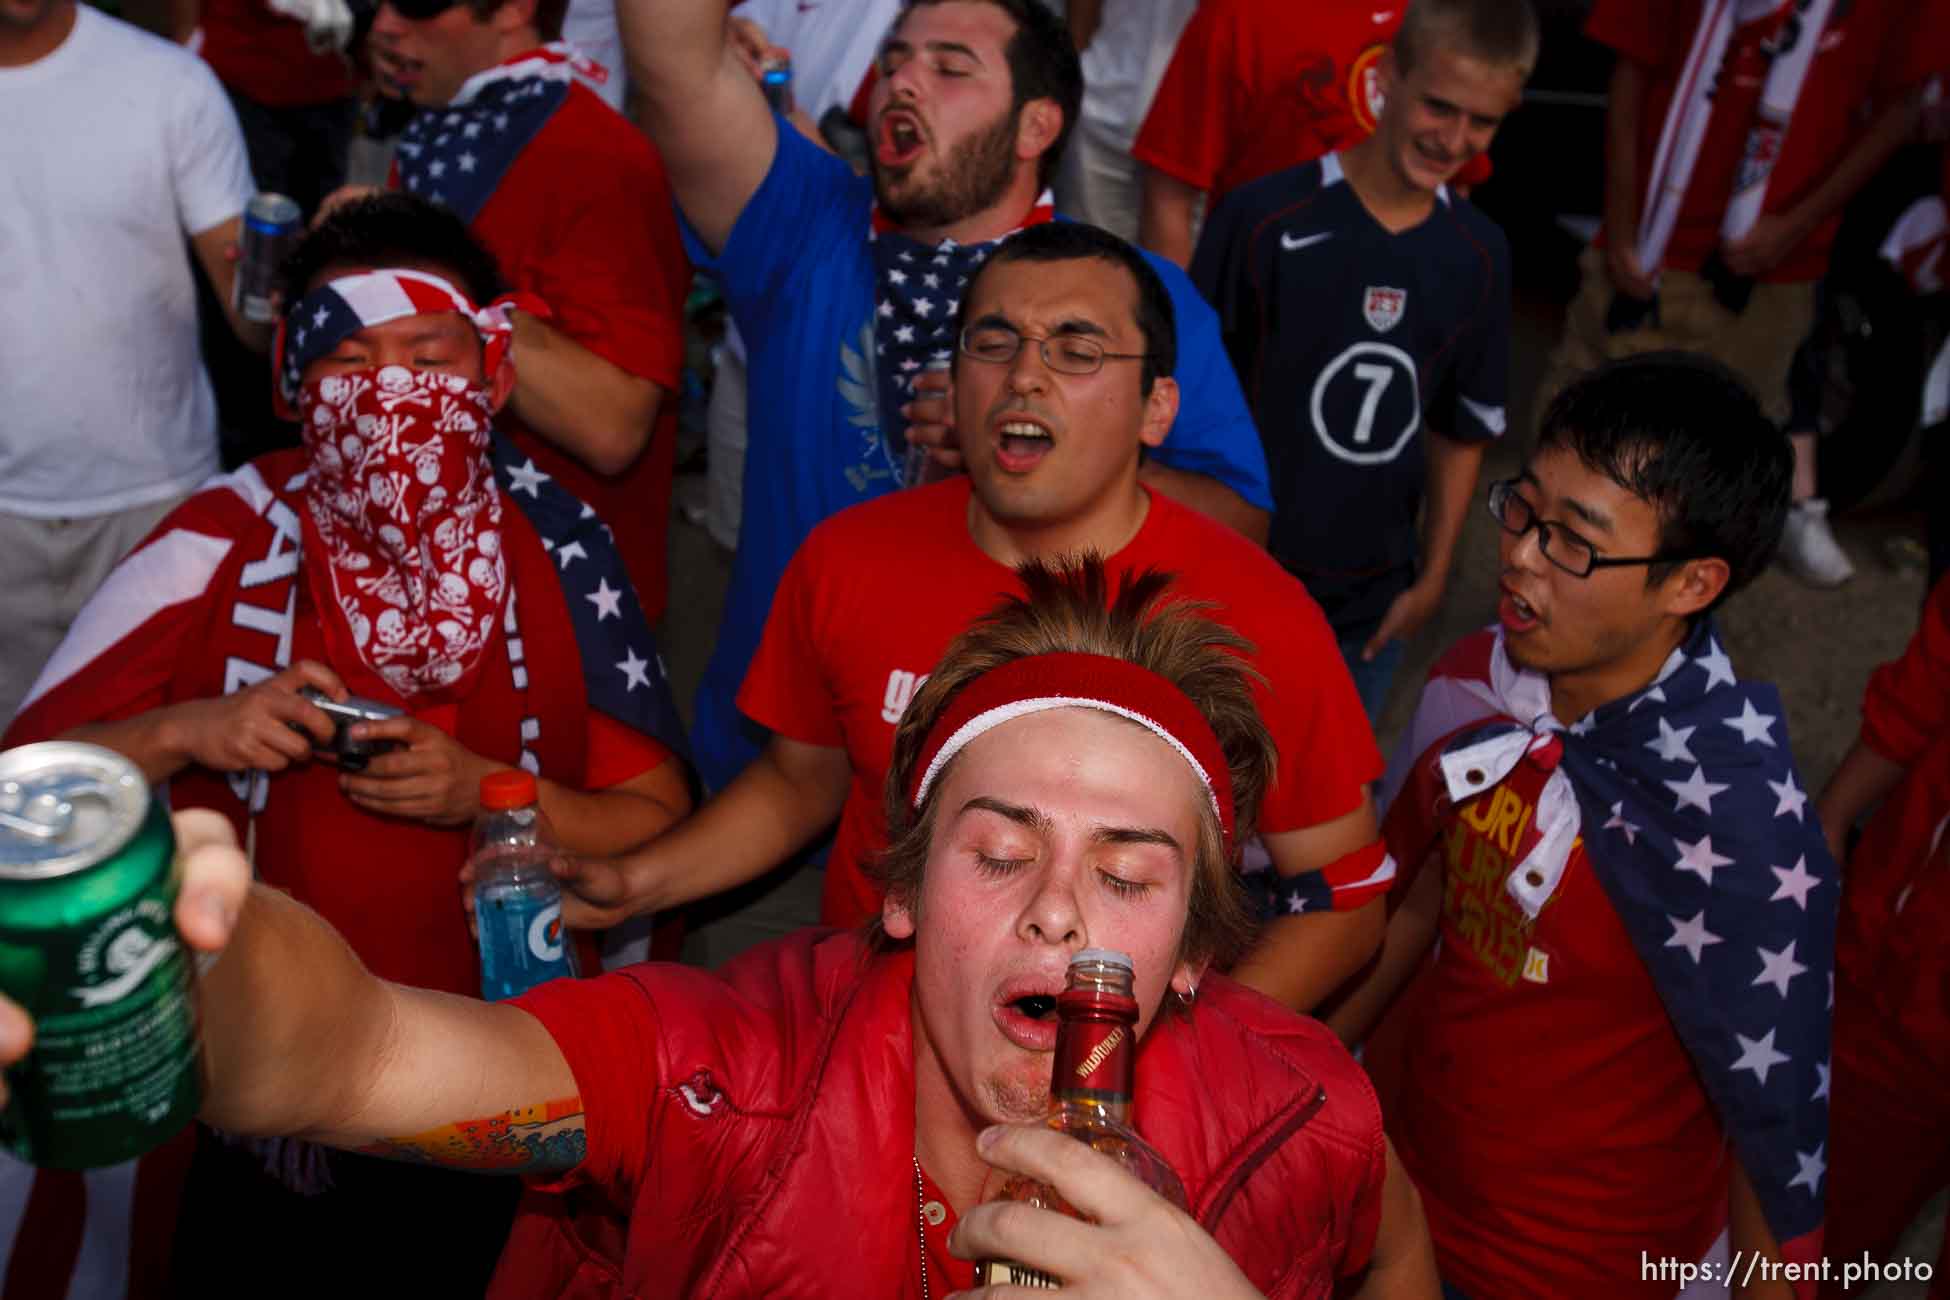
1758 344
48 570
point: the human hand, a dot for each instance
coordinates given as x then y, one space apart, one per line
1761 249
1137 1247
268 726
215 880
600 892
1405 616
1626 276
431 778
931 417
749 42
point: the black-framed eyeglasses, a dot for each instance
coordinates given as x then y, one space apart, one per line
1562 547
1068 354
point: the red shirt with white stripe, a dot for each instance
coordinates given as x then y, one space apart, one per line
876 593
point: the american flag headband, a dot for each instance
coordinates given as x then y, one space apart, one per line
1038 683
323 318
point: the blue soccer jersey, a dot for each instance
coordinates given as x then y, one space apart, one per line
1349 340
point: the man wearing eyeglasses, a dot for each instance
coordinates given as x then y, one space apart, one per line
574 204
1619 1052
1064 371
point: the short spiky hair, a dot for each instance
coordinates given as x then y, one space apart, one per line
1501 33
1687 436
1043 64
390 230
1069 606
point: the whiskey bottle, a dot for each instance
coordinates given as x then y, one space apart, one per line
1090 1095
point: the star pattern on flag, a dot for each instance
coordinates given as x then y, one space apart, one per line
1821 1074
1719 668
1754 726
1671 744
1759 1056
633 669
1696 791
1700 859
459 154
1794 883
607 600
1792 797
1692 935
1778 968
1813 1166
1619 824
525 477
569 552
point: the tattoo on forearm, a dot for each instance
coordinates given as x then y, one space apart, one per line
547 1138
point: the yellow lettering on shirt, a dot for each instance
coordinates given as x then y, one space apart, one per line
1478 852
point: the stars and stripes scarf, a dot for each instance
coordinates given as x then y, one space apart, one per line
1690 811
456 155
918 292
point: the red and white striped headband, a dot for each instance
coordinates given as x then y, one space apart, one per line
323 318
1069 680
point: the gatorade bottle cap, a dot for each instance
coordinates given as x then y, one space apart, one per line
512 788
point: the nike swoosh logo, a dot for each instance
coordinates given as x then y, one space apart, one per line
1292 245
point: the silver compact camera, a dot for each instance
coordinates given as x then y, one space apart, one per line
351 755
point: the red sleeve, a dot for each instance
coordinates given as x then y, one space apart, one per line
786 689
1915 46
616 276
616 753
1189 128
1327 753
607 1030
1644 31
1908 699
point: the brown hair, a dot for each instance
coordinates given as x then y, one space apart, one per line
547 20
1068 606
1501 33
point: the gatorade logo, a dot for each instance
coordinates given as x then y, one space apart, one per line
545 933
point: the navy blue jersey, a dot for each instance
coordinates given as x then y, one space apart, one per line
1349 341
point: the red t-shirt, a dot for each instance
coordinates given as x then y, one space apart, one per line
1866 56
1257 86
584 220
876 593
1552 1119
263 56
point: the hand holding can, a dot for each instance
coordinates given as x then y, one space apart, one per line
932 426
271 230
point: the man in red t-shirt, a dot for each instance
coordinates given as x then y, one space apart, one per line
1063 368
1255 87
573 203
1619 1049
1747 299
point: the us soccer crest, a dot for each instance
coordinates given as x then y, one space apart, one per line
1383 307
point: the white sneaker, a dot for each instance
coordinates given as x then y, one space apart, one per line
1808 546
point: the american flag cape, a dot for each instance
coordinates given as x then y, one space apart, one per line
107 1233
1693 818
457 155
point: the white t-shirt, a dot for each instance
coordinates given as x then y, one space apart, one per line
833 43
1126 61
116 148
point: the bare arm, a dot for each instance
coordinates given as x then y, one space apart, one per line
785 797
708 119
1301 959
1402 1265
596 411
1403 946
1209 497
216 252
1776 235
301 1039
1165 216
1863 778
1624 105
1453 469
1751 1239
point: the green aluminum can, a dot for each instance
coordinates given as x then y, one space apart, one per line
88 945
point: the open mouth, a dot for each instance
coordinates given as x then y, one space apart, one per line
1029 1020
901 140
1515 613
1022 444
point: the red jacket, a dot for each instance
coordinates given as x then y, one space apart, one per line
769 1150
1896 887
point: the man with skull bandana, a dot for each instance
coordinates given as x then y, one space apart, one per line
398 555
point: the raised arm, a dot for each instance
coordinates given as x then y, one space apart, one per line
712 125
1301 959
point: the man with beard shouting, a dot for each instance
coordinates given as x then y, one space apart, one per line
845 288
